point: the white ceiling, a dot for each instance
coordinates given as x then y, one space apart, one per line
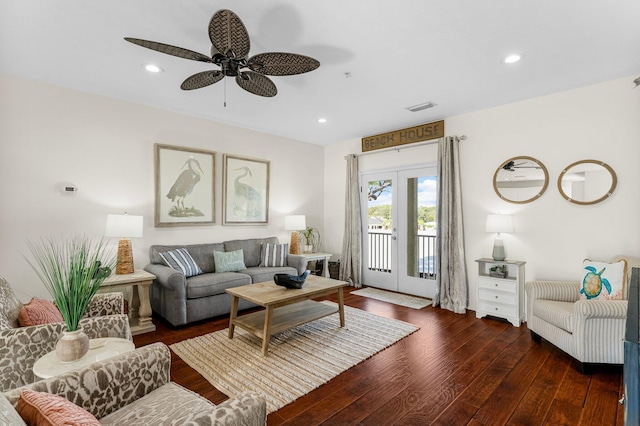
399 53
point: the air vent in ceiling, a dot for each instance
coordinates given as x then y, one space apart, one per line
420 107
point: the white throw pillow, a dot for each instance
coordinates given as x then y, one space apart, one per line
602 281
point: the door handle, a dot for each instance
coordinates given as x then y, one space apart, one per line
394 237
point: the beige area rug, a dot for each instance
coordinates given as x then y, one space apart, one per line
395 298
299 360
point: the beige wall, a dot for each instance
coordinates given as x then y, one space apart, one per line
50 135
551 235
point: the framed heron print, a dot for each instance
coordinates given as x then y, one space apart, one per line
245 191
185 186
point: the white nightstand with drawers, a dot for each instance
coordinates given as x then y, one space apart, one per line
501 297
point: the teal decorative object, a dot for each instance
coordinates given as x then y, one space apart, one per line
593 282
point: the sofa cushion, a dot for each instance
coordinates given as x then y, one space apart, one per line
274 254
211 284
38 312
555 312
262 274
46 409
201 253
169 404
228 261
601 280
252 248
180 260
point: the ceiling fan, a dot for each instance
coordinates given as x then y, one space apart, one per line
230 50
511 166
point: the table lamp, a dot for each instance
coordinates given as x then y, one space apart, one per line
125 227
499 223
295 223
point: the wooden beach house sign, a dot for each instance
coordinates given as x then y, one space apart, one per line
423 132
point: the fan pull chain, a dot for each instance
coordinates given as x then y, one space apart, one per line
225 92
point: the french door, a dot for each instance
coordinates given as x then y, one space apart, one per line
399 230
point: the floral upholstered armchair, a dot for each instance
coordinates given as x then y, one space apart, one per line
21 347
134 388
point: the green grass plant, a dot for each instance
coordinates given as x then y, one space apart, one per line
72 271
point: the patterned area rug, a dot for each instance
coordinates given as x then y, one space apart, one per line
299 360
395 298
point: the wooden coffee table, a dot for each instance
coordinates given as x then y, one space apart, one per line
284 308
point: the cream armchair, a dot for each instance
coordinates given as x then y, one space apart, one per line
21 347
591 331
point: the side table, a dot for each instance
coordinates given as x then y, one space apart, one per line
501 297
139 306
319 256
99 349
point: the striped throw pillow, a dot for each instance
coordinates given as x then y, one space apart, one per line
181 260
274 254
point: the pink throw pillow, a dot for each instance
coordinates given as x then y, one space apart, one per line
45 409
37 312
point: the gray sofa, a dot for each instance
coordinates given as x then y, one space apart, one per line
134 388
182 300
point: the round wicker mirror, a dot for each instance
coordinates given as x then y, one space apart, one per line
587 182
521 180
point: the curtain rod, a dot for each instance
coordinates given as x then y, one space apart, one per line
398 148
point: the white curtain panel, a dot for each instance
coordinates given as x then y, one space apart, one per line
451 283
351 263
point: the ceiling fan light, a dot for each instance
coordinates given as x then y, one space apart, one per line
152 68
322 120
512 59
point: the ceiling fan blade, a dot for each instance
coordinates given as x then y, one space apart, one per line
281 63
202 79
228 34
257 84
170 50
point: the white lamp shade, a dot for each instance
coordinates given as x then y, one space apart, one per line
296 222
500 223
123 226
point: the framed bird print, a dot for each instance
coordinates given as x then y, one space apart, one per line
245 191
185 186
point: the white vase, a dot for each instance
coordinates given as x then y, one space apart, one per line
72 346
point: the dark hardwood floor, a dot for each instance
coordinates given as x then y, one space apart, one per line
455 370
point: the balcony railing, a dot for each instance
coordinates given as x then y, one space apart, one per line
420 264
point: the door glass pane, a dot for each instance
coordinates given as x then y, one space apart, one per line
380 214
421 227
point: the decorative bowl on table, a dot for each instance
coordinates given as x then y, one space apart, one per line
291 281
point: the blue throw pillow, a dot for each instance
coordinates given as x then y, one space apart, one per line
229 261
181 260
274 254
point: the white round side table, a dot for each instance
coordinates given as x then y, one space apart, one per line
99 349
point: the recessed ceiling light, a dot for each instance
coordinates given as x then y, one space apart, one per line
512 59
322 120
152 68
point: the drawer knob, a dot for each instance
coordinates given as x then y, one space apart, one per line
496 309
496 297
496 284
